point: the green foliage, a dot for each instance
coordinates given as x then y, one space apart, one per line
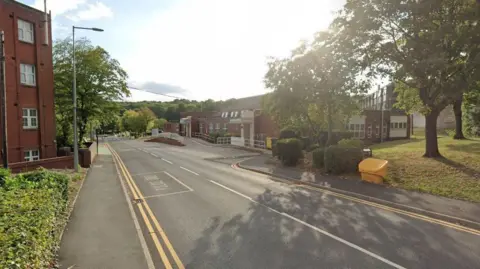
450 132
289 151
313 147
159 123
351 143
4 174
340 160
30 208
319 157
288 133
429 48
101 82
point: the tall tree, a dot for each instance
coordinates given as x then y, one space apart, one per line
320 77
101 81
427 45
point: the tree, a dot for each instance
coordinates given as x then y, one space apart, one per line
159 123
428 45
101 82
146 119
319 77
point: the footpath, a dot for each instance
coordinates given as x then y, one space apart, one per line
455 211
101 232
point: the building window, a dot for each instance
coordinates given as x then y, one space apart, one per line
224 127
29 118
210 127
25 31
27 74
398 125
358 130
217 126
31 155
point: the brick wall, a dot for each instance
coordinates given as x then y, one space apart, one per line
65 162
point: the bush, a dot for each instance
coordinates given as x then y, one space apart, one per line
289 151
287 133
342 159
336 136
313 147
319 157
31 206
4 174
351 143
28 227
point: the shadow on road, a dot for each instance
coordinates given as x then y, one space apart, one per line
262 238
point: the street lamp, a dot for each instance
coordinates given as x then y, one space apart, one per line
75 136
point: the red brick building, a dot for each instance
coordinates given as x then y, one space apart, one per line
239 117
29 82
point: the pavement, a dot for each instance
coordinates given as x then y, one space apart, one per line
101 232
457 211
195 212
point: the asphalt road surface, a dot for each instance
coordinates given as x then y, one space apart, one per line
214 216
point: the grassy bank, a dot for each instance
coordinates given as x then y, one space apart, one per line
457 175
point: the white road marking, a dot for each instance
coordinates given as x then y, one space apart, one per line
153 154
365 251
166 194
234 191
149 173
189 171
183 184
167 161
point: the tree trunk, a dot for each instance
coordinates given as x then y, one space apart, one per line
431 141
330 125
457 110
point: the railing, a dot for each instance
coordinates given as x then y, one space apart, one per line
256 143
223 140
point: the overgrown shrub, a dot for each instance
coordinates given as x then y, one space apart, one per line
289 151
351 143
340 159
318 157
31 207
287 133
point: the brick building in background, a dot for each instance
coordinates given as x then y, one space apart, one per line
29 82
241 117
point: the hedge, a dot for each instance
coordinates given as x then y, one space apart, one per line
289 151
340 159
351 143
32 206
287 133
318 157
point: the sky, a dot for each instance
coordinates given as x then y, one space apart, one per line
194 49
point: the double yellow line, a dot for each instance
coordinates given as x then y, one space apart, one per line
145 210
400 211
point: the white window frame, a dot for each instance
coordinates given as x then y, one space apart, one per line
217 126
26 31
225 127
210 127
29 121
27 75
31 155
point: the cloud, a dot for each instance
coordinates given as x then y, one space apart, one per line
159 88
218 49
94 11
59 7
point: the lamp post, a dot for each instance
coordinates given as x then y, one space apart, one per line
74 93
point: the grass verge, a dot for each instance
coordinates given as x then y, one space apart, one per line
457 175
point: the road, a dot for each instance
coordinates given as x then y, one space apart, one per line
206 214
